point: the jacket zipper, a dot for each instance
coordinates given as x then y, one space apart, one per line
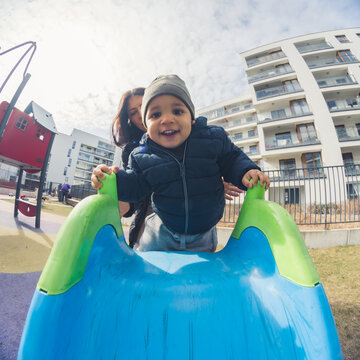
183 178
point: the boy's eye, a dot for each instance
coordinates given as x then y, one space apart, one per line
178 111
155 115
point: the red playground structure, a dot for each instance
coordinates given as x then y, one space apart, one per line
26 138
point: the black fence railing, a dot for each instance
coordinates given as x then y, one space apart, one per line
80 191
312 196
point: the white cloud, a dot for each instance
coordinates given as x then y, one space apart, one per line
89 52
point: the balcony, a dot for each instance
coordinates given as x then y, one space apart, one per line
265 58
336 81
273 143
281 114
220 112
269 74
277 90
238 122
240 137
343 105
349 133
316 63
352 169
313 47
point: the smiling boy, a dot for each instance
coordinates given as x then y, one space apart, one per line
182 161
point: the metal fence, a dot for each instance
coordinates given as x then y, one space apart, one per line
312 196
81 191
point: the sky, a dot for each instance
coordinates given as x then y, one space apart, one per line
90 51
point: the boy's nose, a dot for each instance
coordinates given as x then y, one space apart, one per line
167 117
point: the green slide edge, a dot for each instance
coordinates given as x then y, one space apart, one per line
288 247
68 258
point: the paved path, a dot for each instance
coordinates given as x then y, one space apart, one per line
23 254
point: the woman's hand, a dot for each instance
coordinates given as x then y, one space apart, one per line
124 207
256 175
98 173
231 190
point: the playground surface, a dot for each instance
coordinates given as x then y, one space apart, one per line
23 254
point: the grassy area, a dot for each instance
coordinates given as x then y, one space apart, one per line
53 207
339 270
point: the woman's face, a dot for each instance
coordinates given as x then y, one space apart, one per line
134 111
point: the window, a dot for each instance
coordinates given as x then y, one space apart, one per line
306 132
21 124
287 168
348 158
299 107
358 35
312 163
278 114
251 133
331 104
65 170
253 149
283 68
350 168
345 56
358 128
342 38
291 85
322 83
292 196
73 144
341 131
69 153
69 162
353 190
283 139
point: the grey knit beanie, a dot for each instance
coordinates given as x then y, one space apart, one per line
167 85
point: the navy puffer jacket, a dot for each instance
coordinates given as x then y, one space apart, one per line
188 196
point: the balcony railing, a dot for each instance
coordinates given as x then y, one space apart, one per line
269 74
336 81
314 195
265 58
313 47
238 122
220 112
329 62
271 142
287 113
343 105
239 137
348 134
276 91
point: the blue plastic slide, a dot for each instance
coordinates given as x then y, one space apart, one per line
258 298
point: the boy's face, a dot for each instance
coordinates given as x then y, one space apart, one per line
168 121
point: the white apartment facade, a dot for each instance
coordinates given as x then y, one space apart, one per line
303 109
73 157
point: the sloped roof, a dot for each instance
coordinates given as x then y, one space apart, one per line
43 117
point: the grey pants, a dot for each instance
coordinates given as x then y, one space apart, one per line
157 237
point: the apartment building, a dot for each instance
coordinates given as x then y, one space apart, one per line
303 108
73 157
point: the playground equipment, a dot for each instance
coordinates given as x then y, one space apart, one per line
26 139
258 298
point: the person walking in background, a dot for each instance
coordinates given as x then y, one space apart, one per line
65 189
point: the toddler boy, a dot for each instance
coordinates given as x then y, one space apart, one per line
182 161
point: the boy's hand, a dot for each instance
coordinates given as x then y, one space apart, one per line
256 175
98 173
231 190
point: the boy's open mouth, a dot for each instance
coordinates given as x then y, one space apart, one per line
169 132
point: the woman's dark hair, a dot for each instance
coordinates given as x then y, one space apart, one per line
122 129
